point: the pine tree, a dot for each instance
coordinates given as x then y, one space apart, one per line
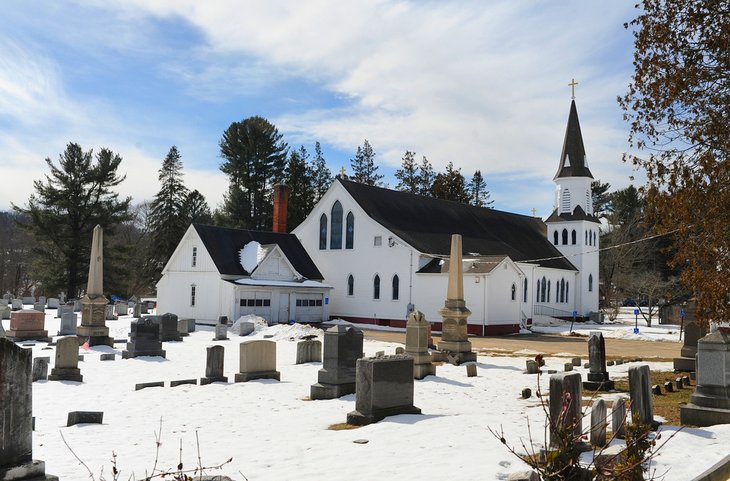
478 193
407 175
254 159
450 185
196 209
426 177
321 175
363 166
299 178
64 209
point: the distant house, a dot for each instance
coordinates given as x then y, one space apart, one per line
216 271
385 251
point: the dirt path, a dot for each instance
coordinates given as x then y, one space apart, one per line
550 344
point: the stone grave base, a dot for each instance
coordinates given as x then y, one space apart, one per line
703 416
454 356
331 391
132 352
65 374
31 471
250 376
422 370
16 336
360 419
209 380
684 364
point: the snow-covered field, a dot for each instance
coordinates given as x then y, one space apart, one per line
273 432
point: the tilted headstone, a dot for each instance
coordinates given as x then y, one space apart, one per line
52 303
618 417
144 339
565 396
68 324
39 306
598 423
16 416
16 304
342 349
27 324
214 366
29 300
417 331
257 360
309 350
642 402
384 388
598 379
710 403
168 327
40 368
692 333
66 367
5 312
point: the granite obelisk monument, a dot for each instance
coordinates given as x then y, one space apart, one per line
93 304
454 343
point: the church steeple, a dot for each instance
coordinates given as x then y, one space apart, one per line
573 157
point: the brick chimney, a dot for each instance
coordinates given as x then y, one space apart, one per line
281 198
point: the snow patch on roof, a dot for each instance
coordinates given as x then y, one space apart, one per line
251 255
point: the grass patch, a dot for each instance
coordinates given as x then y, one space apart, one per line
667 405
342 427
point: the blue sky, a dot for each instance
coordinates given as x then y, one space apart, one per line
482 84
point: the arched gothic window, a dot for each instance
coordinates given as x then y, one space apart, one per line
524 292
543 287
514 291
562 290
590 282
565 236
555 237
567 284
376 287
594 238
323 231
573 237
537 291
349 230
548 292
396 287
350 285
336 226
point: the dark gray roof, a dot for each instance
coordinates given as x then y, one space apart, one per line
573 156
427 224
578 214
224 244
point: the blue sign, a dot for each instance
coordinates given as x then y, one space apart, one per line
636 330
326 300
682 313
575 313
637 312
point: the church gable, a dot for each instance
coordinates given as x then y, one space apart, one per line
274 266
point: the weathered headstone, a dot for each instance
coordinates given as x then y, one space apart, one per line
384 388
28 300
121 308
417 331
16 304
39 306
64 308
568 366
692 333
309 350
66 367
455 346
78 305
618 417
565 398
40 368
5 312
243 328
109 313
2 330
640 391
180 382
669 386
42 300
137 310
710 403
598 423
27 324
52 303
16 416
144 385
221 332
84 417
526 393
191 324
144 339
145 308
471 370
257 360
68 324
342 349
168 327
93 305
576 361
656 389
214 366
107 356
182 328
598 379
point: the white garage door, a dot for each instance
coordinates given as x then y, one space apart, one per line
308 307
256 303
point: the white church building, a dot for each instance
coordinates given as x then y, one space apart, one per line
385 252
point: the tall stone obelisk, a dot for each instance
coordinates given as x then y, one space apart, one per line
454 343
93 304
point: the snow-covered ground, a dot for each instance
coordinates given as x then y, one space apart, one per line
273 432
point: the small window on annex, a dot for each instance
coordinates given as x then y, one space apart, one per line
376 287
323 231
349 231
590 282
336 225
396 287
350 285
192 295
514 291
195 256
377 241
524 291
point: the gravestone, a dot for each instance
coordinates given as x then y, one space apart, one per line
107 356
144 339
191 324
598 379
214 366
16 416
145 385
2 330
66 367
471 370
3 301
257 360
641 395
576 361
526 393
221 332
144 308
28 301
40 307
710 403
137 310
384 388
692 333
5 312
180 382
182 327
342 349
598 423
618 417
565 388
568 366
68 324
16 304
309 350
40 368
27 324
84 417
168 327
455 346
417 331
52 303
63 308
243 328
42 300
93 305
78 305
121 308
109 313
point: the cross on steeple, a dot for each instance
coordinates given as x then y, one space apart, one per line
534 211
342 172
572 85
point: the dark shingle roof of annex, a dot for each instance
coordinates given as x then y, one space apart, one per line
224 244
427 224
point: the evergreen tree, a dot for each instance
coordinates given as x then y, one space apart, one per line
196 209
167 219
478 193
407 175
254 159
64 209
299 178
450 185
321 175
426 177
363 166
601 198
